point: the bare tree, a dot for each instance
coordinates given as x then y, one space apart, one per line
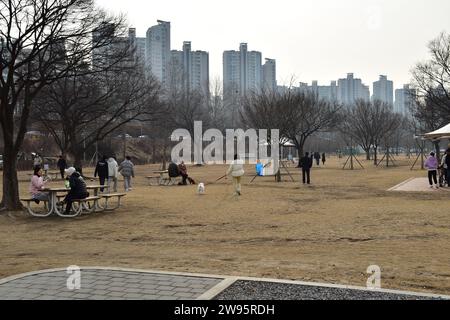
80 111
41 41
216 106
297 115
357 125
432 80
384 124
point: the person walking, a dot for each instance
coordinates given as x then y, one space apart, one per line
317 157
37 161
432 165
37 184
323 158
62 165
126 169
447 166
77 188
112 173
236 170
101 169
306 163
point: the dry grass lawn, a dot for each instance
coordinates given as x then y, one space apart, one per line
329 232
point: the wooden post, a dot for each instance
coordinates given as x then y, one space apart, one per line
351 155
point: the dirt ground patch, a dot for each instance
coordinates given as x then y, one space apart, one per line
329 232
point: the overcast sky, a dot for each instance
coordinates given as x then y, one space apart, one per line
310 39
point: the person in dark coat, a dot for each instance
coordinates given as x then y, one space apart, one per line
317 157
306 163
445 165
77 188
101 169
62 165
173 170
324 159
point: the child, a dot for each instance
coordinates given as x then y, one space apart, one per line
432 165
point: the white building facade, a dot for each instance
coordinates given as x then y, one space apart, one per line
351 89
242 72
383 90
190 69
404 100
157 51
269 74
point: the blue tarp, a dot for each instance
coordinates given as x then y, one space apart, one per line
260 169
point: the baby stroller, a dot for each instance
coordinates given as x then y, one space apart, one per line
442 176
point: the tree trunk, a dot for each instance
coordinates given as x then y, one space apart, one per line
278 177
11 199
368 154
300 153
164 164
375 155
438 151
153 151
77 155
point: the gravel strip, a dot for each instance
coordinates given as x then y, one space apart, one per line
254 290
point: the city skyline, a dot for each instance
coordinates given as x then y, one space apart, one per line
311 40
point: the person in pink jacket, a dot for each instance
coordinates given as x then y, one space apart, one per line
432 165
36 186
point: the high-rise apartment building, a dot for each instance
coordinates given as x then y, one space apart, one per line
190 69
383 90
404 100
157 51
137 45
328 93
242 72
269 74
351 89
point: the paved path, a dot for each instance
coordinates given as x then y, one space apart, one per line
126 284
105 285
417 185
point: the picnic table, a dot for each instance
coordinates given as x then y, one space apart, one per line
160 179
52 206
90 204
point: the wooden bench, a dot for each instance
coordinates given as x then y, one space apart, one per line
110 196
158 181
83 204
154 180
33 213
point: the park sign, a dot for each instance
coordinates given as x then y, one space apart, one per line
190 149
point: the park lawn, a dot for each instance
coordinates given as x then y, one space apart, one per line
329 232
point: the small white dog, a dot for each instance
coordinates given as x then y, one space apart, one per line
201 188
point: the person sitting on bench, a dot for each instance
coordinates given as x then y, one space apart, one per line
77 188
37 184
183 172
173 170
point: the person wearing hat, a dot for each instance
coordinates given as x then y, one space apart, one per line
432 165
113 172
77 188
